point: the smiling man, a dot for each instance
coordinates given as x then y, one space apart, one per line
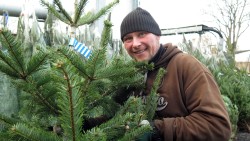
190 107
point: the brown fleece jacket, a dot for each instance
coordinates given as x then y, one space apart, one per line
190 107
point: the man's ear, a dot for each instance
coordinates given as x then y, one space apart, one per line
158 37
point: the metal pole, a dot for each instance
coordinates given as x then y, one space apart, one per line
14 9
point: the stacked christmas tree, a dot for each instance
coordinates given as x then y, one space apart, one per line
69 91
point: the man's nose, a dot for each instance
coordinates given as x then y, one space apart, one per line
136 42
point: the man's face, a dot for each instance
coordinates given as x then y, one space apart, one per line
141 45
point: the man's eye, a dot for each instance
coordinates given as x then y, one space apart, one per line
142 34
127 39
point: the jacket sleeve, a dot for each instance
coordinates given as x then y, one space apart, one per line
208 119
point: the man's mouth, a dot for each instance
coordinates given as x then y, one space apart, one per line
139 52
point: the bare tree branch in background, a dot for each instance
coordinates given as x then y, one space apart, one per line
232 18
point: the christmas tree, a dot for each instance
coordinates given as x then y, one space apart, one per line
72 92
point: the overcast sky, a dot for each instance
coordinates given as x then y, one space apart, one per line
179 13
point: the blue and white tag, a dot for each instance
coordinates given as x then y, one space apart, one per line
6 16
80 47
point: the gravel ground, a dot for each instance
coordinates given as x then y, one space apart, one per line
243 137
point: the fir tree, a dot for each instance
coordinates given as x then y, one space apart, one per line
61 89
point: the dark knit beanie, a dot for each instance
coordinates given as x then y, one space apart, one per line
139 20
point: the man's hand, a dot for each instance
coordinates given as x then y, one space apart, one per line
154 135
